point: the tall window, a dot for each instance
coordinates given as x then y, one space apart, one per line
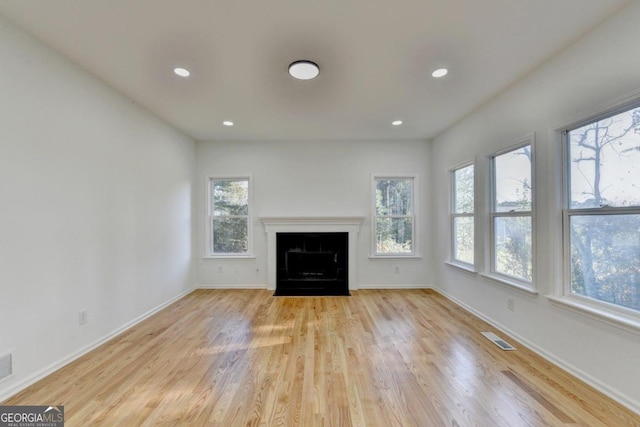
229 224
394 215
511 214
462 216
602 215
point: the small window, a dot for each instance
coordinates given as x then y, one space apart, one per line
602 214
462 216
512 215
229 220
394 215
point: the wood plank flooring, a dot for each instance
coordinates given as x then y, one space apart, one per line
377 358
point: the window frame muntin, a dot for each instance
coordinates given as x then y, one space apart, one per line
453 215
583 301
413 177
209 252
515 281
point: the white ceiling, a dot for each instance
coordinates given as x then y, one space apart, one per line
376 58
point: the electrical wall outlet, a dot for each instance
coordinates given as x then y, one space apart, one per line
511 304
397 269
82 317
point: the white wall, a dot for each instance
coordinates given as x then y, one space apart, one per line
313 178
602 66
95 209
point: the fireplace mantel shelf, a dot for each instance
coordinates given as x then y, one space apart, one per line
283 220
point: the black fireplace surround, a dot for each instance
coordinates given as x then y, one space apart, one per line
311 264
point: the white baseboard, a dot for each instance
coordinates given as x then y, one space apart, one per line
231 286
374 286
387 286
621 398
48 370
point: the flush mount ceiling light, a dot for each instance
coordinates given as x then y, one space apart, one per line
182 72
440 72
227 123
396 122
304 70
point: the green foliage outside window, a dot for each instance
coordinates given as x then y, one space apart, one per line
394 216
229 219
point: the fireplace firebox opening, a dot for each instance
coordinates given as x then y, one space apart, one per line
312 264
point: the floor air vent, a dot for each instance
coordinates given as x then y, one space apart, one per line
498 341
6 366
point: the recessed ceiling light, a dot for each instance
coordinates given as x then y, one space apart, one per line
182 72
396 122
304 70
227 123
440 72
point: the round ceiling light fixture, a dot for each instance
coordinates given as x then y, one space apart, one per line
440 72
304 70
396 122
182 72
227 123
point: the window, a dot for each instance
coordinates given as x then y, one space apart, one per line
602 211
462 216
229 220
394 212
512 215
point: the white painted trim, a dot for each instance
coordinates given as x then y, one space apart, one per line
453 215
319 224
610 316
385 286
222 286
621 398
209 232
415 202
230 256
395 256
503 280
527 140
48 370
311 220
464 267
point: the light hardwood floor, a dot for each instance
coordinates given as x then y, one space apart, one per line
377 358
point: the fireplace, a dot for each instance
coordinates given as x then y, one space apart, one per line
312 263
273 226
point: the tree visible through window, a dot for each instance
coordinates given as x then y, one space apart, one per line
229 216
603 209
463 215
394 216
512 214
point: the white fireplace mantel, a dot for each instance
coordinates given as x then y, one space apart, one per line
308 224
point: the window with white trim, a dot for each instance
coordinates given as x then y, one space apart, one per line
512 214
602 211
394 213
229 224
462 215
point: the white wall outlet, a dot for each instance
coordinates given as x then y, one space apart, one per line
511 304
82 317
219 269
397 269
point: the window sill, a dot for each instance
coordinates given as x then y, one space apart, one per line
464 267
395 256
619 320
230 256
511 283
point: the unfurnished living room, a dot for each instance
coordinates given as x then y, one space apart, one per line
320 213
